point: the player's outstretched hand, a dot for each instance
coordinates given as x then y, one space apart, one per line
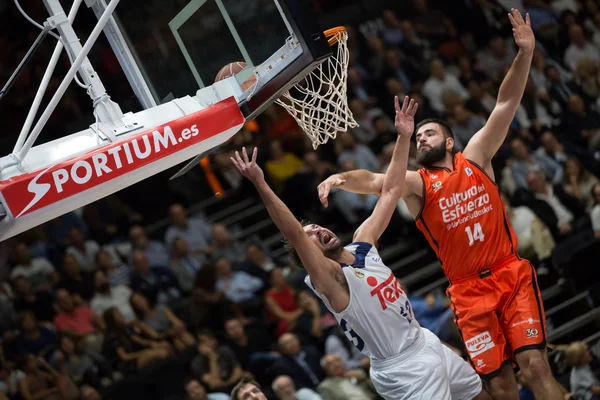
247 167
325 187
405 116
522 30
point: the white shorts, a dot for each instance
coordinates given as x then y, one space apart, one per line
427 370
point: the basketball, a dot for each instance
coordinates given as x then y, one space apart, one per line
233 68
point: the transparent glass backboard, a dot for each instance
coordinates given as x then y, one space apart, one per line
180 45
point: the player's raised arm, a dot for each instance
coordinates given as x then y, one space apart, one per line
316 264
484 144
358 181
395 177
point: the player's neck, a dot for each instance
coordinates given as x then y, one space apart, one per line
346 258
447 162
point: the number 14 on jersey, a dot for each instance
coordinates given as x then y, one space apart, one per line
474 232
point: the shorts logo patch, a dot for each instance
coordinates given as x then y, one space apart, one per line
531 332
479 344
480 363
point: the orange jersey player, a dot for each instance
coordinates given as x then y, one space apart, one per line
456 204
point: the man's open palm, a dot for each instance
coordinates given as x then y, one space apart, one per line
522 30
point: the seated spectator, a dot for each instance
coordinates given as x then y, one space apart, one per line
354 207
365 131
480 101
215 366
302 363
33 338
239 287
156 252
158 284
584 383
248 343
358 88
121 349
260 264
38 271
533 236
11 376
560 212
247 389
284 389
579 49
595 213
341 384
280 303
89 393
281 165
439 82
108 217
26 299
195 231
561 87
43 382
194 390
184 265
583 124
394 69
361 155
83 368
224 246
579 182
78 322
58 229
107 297
118 274
465 125
498 55
74 280
308 327
337 343
161 320
524 162
83 250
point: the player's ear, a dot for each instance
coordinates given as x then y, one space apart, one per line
449 143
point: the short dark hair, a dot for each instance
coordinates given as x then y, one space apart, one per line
289 247
445 126
245 381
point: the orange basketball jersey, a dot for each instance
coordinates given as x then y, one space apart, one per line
464 220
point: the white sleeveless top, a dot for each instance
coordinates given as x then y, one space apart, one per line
379 319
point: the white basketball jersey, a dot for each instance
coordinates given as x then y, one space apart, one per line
379 319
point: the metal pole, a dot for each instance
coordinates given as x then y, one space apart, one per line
35 106
67 79
24 61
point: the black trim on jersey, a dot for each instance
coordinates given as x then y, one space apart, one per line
492 374
424 196
539 346
360 253
428 231
534 283
479 167
453 306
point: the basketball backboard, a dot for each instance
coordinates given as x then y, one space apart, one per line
175 48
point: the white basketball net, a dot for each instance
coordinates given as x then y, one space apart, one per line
319 103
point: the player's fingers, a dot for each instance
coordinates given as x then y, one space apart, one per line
405 104
254 154
234 162
396 104
414 109
512 20
338 182
527 20
245 154
410 106
518 17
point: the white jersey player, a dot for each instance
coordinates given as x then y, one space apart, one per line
407 361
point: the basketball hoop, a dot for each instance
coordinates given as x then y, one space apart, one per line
319 102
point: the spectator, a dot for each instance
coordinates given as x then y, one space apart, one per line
337 343
58 229
583 124
302 363
79 322
480 102
184 265
158 284
280 303
259 264
86 368
353 206
83 250
247 343
156 253
107 297
498 55
41 381
395 70
74 280
215 366
309 327
365 131
195 231
225 246
284 389
584 383
439 82
161 320
360 154
120 348
118 274
26 299
89 393
340 384
32 337
579 49
524 162
357 88
239 287
38 271
559 87
194 390
247 389
282 165
465 126
579 182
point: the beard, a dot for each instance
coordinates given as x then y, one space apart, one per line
334 252
431 156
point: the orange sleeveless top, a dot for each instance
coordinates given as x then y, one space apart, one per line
463 218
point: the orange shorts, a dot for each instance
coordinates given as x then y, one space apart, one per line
499 313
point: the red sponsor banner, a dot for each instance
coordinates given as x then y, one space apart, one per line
31 191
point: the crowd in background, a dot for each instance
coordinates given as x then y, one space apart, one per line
92 298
